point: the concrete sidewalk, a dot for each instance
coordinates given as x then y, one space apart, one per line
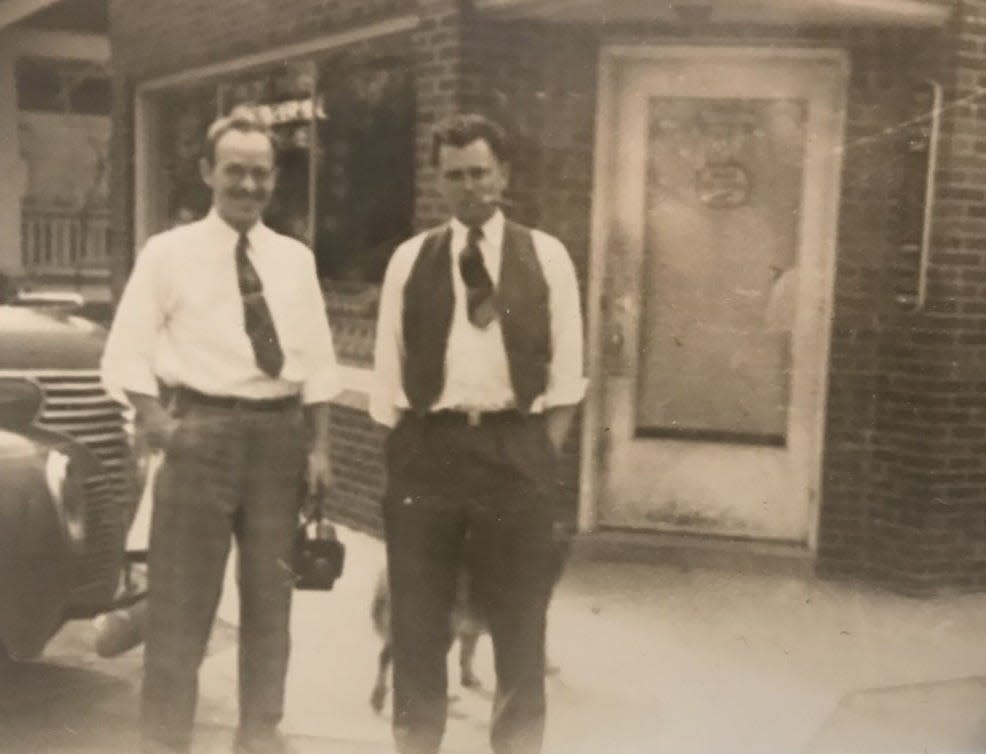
662 659
653 659
720 662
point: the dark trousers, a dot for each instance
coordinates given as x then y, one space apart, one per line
480 498
227 473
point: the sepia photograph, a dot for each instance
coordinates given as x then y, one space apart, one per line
492 376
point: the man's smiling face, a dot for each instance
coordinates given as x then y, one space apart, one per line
242 177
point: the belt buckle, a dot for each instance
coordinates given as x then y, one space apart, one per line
474 417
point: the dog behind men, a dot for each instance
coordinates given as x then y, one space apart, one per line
467 626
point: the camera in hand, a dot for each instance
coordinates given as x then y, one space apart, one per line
318 554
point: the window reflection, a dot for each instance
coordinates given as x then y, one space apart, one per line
187 114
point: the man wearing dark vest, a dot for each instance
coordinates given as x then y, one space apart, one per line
478 371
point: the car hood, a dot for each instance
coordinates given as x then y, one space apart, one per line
37 339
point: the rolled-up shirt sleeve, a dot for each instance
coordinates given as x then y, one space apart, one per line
128 358
566 375
323 381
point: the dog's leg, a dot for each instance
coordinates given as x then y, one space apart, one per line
379 694
467 650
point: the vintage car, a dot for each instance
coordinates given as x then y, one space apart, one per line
67 479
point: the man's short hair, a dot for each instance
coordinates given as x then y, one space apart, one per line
463 130
241 119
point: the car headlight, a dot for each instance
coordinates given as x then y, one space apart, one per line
68 492
20 402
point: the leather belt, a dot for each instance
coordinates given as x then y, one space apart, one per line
188 396
475 417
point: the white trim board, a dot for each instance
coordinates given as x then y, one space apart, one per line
385 28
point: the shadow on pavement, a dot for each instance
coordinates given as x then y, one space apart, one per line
45 706
73 702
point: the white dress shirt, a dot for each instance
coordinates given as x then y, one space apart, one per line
180 319
477 375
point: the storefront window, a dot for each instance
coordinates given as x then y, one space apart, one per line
344 127
364 166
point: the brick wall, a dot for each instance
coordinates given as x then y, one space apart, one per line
946 346
358 468
869 453
905 473
438 44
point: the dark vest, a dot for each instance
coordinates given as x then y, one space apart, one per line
521 302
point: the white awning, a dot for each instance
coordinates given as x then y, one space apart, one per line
785 12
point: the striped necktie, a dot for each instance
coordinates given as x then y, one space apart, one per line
256 314
479 285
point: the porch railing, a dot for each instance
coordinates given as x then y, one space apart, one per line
64 241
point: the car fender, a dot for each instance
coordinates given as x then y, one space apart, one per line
36 557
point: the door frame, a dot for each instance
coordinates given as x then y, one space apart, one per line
595 440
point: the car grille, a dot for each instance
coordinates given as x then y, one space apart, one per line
76 405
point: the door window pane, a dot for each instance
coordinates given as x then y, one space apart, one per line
723 199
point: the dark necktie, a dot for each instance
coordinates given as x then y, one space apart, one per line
479 284
256 315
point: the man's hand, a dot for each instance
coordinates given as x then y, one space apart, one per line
319 471
558 420
319 463
154 425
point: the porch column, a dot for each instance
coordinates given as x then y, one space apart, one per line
11 166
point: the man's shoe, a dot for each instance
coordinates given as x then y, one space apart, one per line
266 743
121 630
153 746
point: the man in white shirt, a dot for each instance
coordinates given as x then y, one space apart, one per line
478 371
222 345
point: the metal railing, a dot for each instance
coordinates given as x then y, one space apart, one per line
64 241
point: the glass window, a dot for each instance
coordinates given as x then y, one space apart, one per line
344 127
364 193
723 199
186 114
